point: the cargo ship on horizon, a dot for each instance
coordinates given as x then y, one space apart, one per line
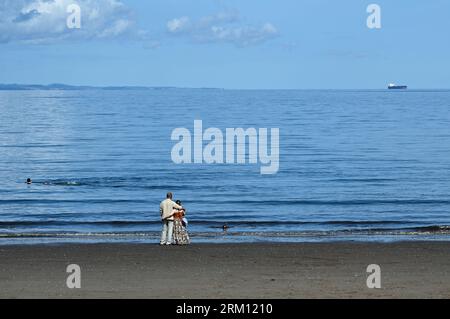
393 86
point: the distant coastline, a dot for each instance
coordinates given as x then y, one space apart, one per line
65 87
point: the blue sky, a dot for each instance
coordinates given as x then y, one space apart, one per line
251 44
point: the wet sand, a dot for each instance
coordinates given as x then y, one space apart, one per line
262 270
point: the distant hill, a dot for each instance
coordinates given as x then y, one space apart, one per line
27 87
65 87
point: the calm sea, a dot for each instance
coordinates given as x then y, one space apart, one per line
354 165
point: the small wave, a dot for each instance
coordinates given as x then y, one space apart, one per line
268 223
210 223
433 229
362 180
77 235
33 145
70 223
419 231
335 202
69 201
108 182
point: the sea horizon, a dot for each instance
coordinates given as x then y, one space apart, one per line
74 87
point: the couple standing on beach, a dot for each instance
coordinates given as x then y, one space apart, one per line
174 223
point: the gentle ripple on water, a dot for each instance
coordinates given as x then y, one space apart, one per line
354 165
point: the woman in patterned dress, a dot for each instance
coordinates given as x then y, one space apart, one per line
180 234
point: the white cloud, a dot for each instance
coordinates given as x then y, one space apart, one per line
178 25
41 21
44 21
223 27
119 27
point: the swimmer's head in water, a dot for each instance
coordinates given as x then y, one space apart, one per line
29 181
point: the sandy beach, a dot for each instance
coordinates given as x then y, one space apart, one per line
328 270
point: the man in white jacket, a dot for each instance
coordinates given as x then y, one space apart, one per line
166 209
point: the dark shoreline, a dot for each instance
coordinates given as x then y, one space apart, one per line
244 270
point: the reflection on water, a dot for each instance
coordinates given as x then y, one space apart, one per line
354 165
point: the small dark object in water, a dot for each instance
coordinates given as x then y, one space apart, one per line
225 227
29 181
397 87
